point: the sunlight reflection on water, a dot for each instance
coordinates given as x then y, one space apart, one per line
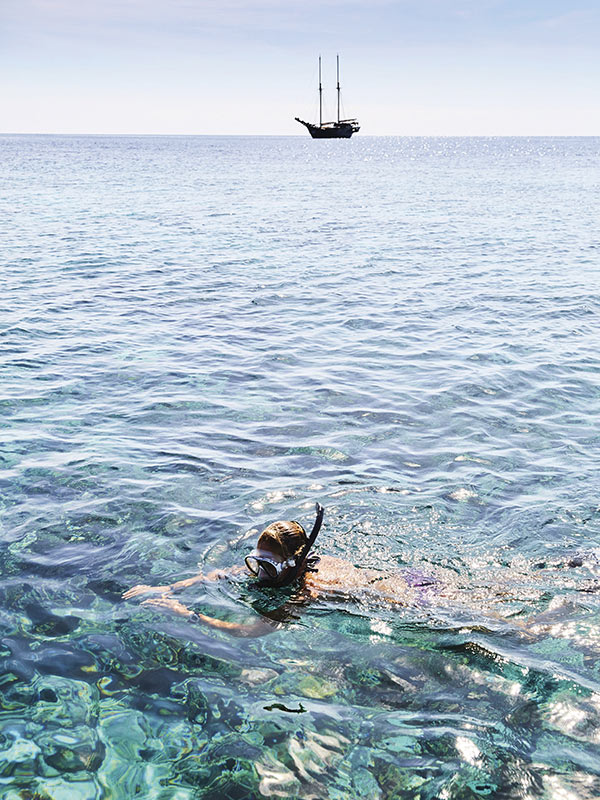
200 336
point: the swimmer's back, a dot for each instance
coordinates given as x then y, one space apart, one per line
336 577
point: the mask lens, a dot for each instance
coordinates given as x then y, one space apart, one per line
252 564
256 565
269 568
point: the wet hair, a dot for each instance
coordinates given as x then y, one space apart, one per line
283 539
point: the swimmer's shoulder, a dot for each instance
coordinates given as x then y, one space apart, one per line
336 570
330 565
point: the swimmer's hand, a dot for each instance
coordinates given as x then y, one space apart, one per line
142 588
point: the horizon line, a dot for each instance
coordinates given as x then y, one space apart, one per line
303 136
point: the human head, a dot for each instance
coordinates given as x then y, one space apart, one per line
279 545
283 551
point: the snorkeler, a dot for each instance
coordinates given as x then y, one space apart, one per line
283 555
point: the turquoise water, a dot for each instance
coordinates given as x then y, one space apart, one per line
200 336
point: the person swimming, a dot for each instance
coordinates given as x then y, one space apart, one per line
283 556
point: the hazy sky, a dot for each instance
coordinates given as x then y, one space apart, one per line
424 67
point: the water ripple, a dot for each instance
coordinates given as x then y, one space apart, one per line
202 335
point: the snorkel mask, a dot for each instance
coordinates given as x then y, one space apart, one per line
269 569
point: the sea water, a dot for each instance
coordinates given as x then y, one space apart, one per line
199 336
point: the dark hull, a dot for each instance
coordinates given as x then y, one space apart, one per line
335 130
343 132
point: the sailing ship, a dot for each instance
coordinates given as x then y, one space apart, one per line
342 129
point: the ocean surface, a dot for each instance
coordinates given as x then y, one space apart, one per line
200 336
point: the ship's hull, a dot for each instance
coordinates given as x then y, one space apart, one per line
332 130
339 132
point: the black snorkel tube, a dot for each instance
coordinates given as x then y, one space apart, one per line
303 555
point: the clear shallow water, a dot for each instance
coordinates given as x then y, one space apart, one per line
199 336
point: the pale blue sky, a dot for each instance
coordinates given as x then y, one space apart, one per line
409 67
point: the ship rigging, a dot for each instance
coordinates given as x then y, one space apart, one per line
340 129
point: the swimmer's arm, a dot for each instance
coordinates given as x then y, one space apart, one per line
214 575
143 588
261 627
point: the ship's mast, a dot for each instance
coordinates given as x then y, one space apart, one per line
320 97
338 86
